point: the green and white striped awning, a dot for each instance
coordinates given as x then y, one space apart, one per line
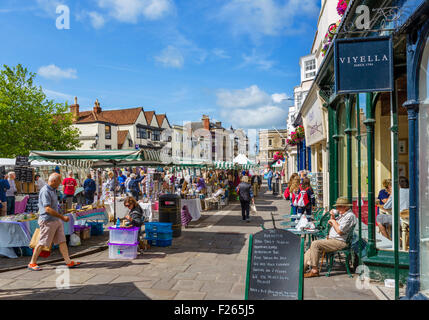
225 165
99 158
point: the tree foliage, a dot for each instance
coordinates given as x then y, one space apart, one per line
28 120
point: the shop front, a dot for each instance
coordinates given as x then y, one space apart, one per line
374 135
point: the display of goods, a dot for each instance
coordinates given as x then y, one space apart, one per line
123 251
159 235
97 228
123 235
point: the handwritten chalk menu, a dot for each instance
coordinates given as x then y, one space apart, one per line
33 203
274 269
21 161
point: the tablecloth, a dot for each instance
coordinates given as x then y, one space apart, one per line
19 234
194 207
121 210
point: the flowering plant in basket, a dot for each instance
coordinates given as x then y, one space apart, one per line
342 6
278 156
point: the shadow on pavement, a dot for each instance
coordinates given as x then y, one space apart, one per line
115 291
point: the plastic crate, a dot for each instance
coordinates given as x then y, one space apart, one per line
123 235
122 251
97 228
158 227
159 235
159 243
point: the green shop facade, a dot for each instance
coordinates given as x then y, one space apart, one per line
374 136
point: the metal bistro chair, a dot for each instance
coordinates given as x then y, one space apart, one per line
223 200
347 251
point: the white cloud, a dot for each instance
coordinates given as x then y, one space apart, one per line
279 97
263 117
97 20
53 72
50 6
242 98
257 60
220 53
131 10
171 57
266 17
54 95
252 107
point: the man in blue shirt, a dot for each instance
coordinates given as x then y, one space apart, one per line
51 223
89 189
4 185
121 181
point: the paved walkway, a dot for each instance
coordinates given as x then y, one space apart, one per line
207 262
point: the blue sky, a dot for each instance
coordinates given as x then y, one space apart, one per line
235 60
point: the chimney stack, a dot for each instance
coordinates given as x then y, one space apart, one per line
74 109
219 124
97 108
206 122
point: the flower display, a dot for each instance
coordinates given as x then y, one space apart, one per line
342 6
278 156
329 36
296 136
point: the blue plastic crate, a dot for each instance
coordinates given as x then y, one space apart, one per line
159 235
159 243
158 227
97 228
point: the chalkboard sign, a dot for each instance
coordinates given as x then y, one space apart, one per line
24 174
274 266
22 161
33 203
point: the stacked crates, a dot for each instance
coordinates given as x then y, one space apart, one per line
123 243
159 234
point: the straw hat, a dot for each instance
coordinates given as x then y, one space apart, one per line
343 202
245 179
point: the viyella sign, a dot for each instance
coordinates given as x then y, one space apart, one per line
363 65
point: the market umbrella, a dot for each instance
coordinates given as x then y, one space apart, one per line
100 158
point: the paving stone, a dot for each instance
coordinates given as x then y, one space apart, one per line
238 289
129 279
186 276
94 289
215 286
164 284
102 279
20 284
207 276
188 285
4 282
223 296
159 294
120 290
66 296
158 274
12 274
186 295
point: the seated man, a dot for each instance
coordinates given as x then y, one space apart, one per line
215 197
336 240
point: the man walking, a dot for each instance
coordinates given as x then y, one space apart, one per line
51 225
89 189
245 194
270 179
10 193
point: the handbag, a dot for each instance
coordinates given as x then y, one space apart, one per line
46 251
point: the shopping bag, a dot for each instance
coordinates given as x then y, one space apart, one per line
253 209
46 251
302 223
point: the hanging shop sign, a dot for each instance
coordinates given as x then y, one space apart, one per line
363 65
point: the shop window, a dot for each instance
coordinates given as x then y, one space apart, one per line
108 147
108 132
156 136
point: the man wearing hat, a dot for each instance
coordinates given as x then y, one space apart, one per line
341 226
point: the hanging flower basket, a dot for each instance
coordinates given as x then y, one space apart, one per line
279 156
342 6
